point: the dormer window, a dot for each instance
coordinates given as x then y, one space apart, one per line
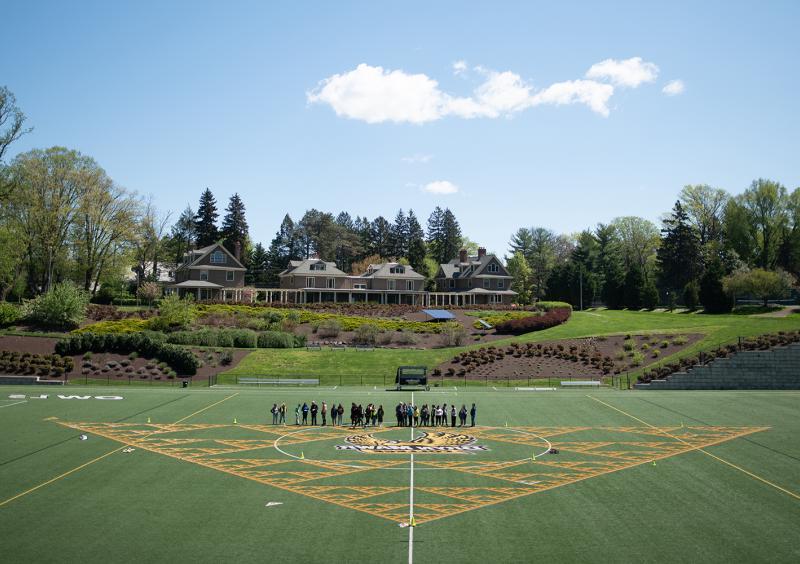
493 267
397 269
218 257
318 266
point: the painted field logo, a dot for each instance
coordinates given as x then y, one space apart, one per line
439 442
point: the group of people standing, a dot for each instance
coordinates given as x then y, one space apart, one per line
410 415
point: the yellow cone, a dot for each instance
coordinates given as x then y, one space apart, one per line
148 420
533 457
413 522
235 422
301 456
654 463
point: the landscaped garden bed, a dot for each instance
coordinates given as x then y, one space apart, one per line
592 357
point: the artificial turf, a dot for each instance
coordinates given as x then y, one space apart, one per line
94 503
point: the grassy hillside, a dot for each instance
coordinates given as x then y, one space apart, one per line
373 367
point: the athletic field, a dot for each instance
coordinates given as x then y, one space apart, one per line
578 475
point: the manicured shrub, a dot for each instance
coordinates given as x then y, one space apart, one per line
62 307
454 335
548 306
550 319
329 328
226 358
174 314
366 334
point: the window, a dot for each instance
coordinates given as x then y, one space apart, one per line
310 282
218 257
500 284
495 299
204 275
331 283
360 286
493 267
397 269
229 276
487 282
410 285
392 284
318 266
451 283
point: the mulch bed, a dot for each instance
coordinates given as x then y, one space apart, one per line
539 367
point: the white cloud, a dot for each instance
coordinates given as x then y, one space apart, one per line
630 72
417 159
377 95
459 67
440 187
373 95
674 87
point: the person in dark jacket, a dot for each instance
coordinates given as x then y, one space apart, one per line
305 413
472 412
462 416
380 415
453 415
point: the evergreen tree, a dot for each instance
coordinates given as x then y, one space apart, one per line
257 266
400 236
518 267
436 235
234 226
381 237
609 263
363 230
632 291
712 294
649 297
416 245
284 247
451 237
183 235
678 257
691 294
206 220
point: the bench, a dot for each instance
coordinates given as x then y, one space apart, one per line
279 381
313 348
580 383
484 324
364 348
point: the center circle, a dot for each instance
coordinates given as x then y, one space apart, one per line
276 445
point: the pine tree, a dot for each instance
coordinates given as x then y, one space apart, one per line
257 266
234 225
678 257
712 294
381 237
609 263
436 235
451 237
416 245
183 234
284 247
400 236
634 283
206 220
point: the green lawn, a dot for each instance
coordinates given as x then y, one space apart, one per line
376 366
196 487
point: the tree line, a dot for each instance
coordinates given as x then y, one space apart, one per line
711 247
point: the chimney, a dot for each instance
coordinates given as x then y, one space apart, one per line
481 252
237 250
462 255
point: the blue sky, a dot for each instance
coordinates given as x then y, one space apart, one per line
171 97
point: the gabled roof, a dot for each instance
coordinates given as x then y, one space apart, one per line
303 267
383 270
195 256
472 268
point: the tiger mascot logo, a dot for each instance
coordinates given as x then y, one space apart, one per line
438 442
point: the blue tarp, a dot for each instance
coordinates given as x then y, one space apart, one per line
439 314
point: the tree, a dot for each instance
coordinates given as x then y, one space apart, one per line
436 235
149 242
205 222
765 208
634 283
638 241
451 236
106 221
541 259
609 265
400 235
49 188
361 266
62 306
416 245
12 259
183 234
691 294
712 294
257 266
381 237
12 121
760 283
678 256
285 246
649 294
705 207
317 234
149 292
234 227
518 267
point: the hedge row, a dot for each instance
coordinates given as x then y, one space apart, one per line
149 345
550 319
241 338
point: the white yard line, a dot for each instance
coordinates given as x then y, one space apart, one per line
10 404
411 500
